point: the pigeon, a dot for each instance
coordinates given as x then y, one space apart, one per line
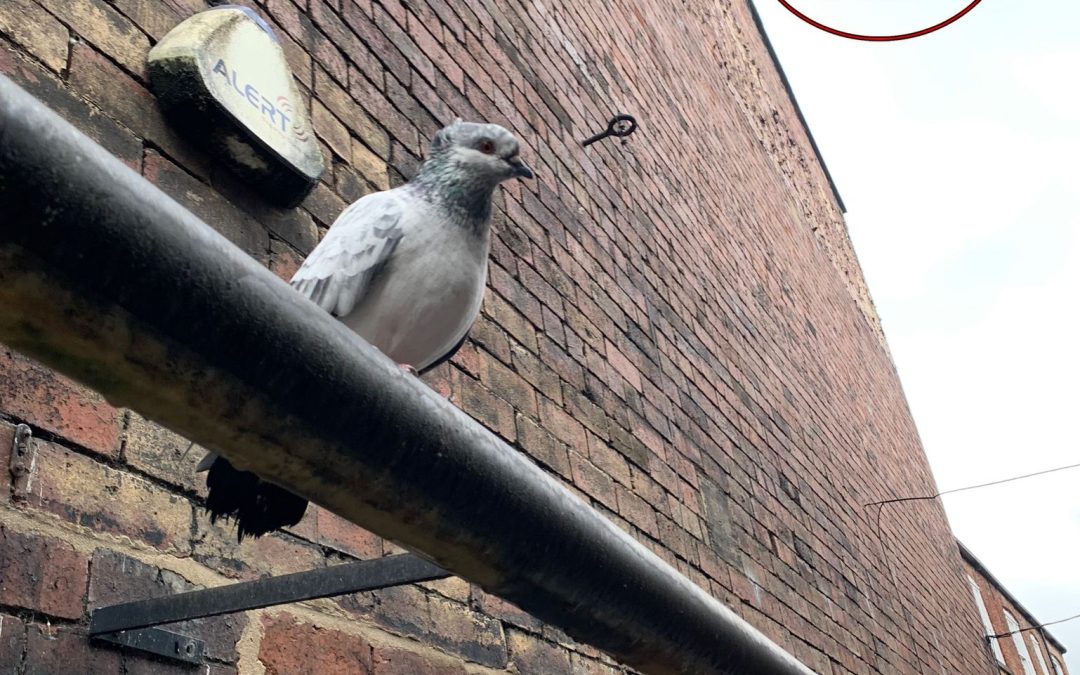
406 270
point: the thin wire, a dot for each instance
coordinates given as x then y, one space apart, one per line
1041 625
973 487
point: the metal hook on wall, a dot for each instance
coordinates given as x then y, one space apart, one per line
620 126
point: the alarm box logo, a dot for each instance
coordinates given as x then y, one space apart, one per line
892 20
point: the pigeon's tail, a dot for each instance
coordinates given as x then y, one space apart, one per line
257 506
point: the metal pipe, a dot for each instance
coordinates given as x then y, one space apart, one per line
109 281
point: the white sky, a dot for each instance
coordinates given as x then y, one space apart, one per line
958 157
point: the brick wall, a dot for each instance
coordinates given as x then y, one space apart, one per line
997 602
675 327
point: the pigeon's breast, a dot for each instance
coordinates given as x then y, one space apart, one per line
427 298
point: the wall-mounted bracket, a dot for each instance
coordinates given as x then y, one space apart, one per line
131 624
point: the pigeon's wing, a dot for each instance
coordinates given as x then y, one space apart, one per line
339 271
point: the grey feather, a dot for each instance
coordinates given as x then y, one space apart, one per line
339 271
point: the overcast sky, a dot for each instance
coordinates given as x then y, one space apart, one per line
958 157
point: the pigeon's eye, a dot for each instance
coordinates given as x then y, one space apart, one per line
486 146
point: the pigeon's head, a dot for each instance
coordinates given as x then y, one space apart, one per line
484 152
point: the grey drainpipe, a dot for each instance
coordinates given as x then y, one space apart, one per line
106 279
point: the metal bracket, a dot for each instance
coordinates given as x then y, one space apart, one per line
158 642
130 624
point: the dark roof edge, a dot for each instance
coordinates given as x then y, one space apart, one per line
795 102
967 555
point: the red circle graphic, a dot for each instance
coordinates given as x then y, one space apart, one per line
879 38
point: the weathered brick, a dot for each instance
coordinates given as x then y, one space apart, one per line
608 460
7 441
622 364
491 411
284 261
324 204
360 20
215 545
83 491
105 28
511 320
12 641
207 204
36 31
49 90
41 573
117 578
459 630
338 533
563 426
404 44
592 481
161 453
504 611
45 399
369 95
331 130
359 123
542 446
395 661
155 18
371 166
290 646
294 226
340 34
530 654
65 650
508 385
126 100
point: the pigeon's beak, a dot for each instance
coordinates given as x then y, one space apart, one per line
521 169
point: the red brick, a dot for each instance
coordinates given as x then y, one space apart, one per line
65 650
623 365
41 573
592 481
290 646
394 661
45 399
338 533
284 261
556 421
504 611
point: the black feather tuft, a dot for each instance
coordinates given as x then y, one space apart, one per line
257 506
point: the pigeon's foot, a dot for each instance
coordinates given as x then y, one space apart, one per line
408 369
